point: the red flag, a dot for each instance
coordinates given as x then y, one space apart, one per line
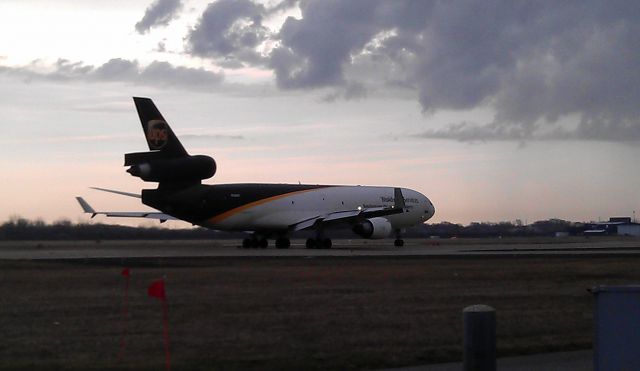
125 272
156 290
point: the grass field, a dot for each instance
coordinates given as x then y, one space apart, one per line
294 313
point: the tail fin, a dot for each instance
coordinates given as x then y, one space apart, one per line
166 162
159 135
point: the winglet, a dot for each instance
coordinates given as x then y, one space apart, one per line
86 207
398 198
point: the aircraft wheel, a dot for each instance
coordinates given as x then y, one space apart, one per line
263 243
398 243
325 243
283 243
246 243
311 243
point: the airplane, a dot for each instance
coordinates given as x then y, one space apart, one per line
266 211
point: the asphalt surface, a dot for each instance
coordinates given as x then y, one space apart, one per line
581 360
44 250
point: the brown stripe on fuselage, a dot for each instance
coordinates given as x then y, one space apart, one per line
227 214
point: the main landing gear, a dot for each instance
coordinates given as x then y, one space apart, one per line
318 243
262 242
283 243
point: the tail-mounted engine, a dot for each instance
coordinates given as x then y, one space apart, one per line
157 167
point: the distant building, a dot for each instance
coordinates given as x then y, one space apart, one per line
620 219
621 226
630 229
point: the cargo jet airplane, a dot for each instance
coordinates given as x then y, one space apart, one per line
265 210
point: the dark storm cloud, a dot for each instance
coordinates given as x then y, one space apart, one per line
532 63
315 48
231 29
159 13
122 70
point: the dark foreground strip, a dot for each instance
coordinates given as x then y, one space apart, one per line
190 261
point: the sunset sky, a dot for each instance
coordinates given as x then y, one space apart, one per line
495 110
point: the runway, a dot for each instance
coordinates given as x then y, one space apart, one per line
228 304
68 250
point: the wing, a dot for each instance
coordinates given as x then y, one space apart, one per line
350 216
124 214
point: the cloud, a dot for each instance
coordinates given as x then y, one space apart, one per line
158 73
212 137
532 64
159 13
161 48
351 91
601 128
230 29
469 132
70 139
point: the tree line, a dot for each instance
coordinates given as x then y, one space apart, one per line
17 228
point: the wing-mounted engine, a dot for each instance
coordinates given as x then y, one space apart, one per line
374 228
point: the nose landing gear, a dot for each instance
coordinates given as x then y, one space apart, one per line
399 242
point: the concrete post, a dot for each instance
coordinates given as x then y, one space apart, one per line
616 327
479 338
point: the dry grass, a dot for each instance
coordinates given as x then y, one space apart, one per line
322 313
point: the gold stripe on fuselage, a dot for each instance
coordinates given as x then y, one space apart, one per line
227 214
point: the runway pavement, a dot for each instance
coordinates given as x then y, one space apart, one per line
581 360
64 250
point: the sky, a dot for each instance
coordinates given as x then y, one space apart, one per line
495 110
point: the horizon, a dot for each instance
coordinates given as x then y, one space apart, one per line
521 113
154 224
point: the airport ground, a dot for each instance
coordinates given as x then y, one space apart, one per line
62 308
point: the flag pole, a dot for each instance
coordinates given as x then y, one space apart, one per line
165 312
125 312
156 290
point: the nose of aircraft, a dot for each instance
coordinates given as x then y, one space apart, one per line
428 209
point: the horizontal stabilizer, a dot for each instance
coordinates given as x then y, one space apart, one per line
129 194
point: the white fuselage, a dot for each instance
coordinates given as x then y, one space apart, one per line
280 212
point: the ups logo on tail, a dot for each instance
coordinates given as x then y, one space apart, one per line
157 134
